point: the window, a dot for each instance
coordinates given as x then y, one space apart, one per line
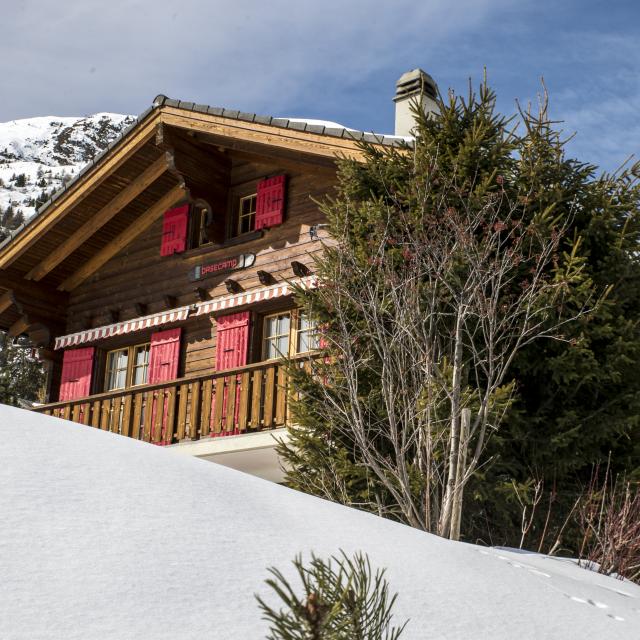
207 227
288 333
306 334
247 214
201 218
276 335
127 367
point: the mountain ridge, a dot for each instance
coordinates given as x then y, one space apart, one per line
40 155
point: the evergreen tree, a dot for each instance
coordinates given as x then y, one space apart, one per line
21 372
21 180
575 398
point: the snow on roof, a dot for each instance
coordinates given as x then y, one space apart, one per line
107 537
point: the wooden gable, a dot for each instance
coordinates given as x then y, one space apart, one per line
170 157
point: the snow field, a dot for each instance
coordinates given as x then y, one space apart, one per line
106 537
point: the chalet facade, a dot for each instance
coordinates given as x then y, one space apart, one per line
158 284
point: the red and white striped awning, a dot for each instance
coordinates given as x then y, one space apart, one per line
182 313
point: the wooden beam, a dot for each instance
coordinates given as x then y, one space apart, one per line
25 291
263 134
78 191
291 161
6 300
98 220
123 239
19 326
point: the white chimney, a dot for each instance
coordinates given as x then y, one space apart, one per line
414 85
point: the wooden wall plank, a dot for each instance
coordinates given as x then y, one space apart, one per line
128 235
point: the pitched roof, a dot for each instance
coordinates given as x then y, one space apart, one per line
162 101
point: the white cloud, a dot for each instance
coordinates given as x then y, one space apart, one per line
76 57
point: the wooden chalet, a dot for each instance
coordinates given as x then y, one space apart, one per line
157 284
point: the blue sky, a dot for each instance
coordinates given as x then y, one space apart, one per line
333 60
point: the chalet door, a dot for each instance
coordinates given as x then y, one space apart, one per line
77 366
232 348
164 355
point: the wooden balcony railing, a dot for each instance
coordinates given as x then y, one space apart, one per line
250 398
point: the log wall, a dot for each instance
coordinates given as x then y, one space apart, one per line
139 275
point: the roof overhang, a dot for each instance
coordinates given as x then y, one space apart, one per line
235 130
166 157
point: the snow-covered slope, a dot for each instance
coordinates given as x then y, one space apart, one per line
107 537
49 151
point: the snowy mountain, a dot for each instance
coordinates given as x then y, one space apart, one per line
103 536
38 155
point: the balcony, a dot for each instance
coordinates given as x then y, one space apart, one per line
239 401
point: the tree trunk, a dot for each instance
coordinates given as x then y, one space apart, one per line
456 509
454 436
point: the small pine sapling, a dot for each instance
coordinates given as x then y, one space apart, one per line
341 599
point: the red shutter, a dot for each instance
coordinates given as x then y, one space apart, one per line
164 355
232 340
270 202
232 346
174 230
77 365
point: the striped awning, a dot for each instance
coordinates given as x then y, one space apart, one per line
182 313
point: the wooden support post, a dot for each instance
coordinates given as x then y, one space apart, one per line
269 395
205 419
182 412
219 405
256 399
244 401
229 422
6 300
169 424
195 411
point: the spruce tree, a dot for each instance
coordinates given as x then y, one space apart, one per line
21 372
574 399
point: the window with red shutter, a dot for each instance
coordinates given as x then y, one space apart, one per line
77 367
174 230
270 202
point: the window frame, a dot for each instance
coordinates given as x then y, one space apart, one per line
295 317
130 368
239 216
264 338
198 215
312 333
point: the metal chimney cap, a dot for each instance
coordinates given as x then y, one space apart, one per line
415 82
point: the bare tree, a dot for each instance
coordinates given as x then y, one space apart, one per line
449 295
609 518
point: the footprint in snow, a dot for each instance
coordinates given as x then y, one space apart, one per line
517 565
598 605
